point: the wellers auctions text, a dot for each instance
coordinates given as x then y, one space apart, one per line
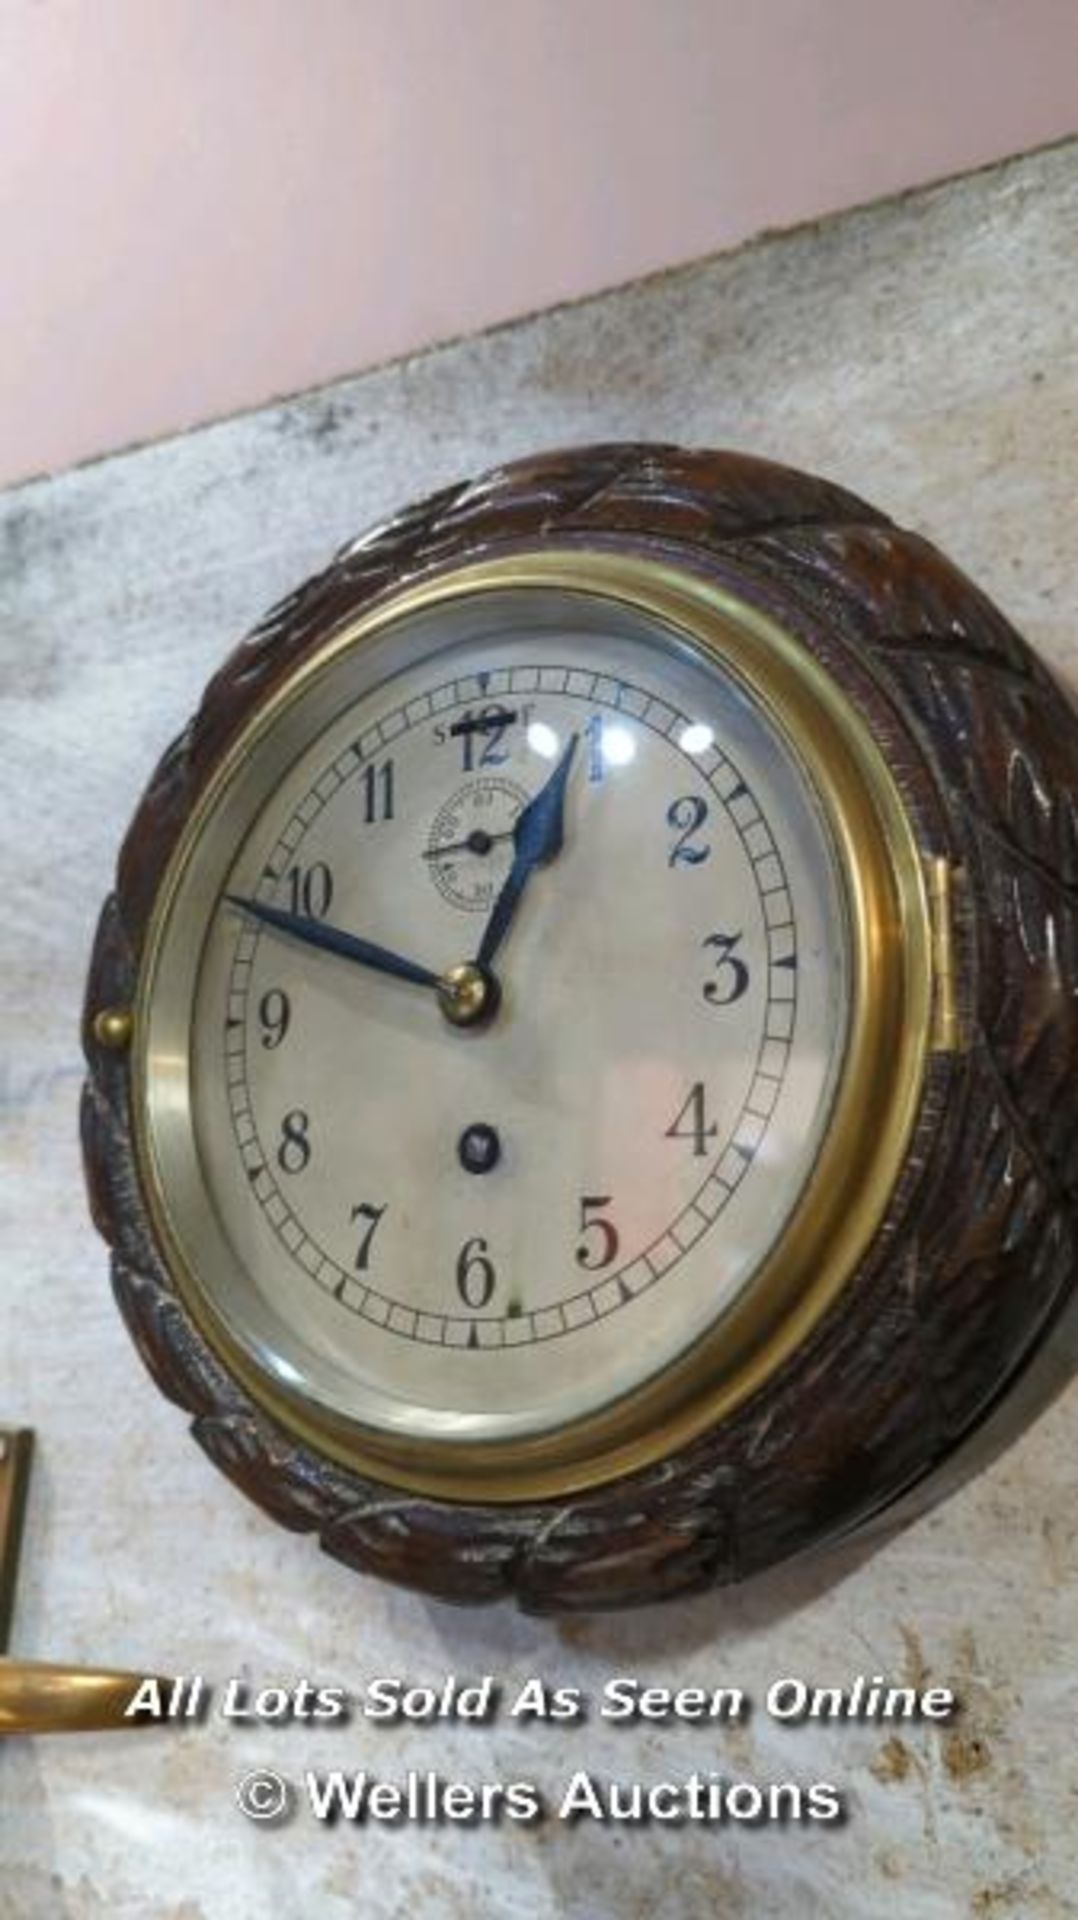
708 1799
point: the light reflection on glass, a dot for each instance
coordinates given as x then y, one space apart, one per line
619 747
696 738
542 739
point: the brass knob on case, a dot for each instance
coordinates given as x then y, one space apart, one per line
113 1026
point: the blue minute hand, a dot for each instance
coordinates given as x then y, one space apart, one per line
537 839
315 933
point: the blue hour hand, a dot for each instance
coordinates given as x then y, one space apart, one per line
538 833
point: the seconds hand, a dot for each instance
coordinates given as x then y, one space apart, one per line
478 841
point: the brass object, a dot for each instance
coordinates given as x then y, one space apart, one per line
113 1027
943 883
37 1696
467 994
873 1112
16 1453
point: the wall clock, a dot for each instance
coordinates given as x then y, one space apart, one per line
583 1042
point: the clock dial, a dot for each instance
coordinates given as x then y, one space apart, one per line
470 1230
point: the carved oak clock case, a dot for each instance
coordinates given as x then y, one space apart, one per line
582 1045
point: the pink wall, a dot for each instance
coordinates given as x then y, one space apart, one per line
204 203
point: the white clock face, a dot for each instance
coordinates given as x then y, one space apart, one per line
470 1232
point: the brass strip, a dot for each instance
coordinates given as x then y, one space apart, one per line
37 1696
16 1452
942 884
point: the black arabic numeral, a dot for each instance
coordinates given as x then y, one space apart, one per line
598 1251
294 1146
475 1274
378 792
694 1112
687 815
275 1014
490 724
732 973
310 890
372 1215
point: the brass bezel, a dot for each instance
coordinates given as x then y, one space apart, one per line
875 1102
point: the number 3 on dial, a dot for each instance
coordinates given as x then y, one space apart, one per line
732 973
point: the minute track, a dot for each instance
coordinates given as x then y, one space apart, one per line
658 1256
